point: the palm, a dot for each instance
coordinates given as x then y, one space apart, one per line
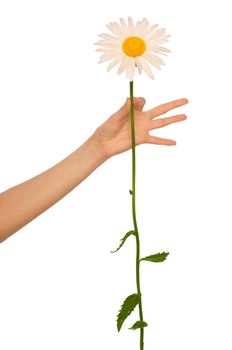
119 133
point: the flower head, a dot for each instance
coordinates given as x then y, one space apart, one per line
133 45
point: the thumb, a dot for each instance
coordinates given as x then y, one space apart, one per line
128 103
139 102
123 111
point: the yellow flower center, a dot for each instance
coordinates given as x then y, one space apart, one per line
133 46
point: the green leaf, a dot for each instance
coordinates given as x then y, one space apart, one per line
156 257
127 307
131 192
139 324
123 240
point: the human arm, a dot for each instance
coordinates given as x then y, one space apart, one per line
22 203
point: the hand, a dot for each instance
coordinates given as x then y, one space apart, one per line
114 135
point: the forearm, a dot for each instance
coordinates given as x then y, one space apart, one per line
21 204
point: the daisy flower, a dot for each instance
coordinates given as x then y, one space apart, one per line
133 45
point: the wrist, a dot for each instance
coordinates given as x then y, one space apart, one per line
101 149
97 149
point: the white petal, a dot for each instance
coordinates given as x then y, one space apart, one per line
156 34
109 37
131 26
143 27
137 62
108 51
163 39
157 41
113 63
146 67
108 43
149 31
130 68
124 27
116 30
153 59
157 59
160 50
137 26
107 57
160 53
123 65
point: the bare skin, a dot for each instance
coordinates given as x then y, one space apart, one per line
24 202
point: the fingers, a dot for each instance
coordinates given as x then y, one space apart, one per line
139 103
160 141
161 109
159 123
120 115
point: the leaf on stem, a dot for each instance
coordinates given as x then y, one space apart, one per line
139 324
127 307
123 240
131 192
156 257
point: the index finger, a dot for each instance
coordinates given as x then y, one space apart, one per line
161 109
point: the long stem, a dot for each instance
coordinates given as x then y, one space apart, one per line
134 214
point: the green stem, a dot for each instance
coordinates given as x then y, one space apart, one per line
134 214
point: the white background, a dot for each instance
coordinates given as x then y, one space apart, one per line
60 288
